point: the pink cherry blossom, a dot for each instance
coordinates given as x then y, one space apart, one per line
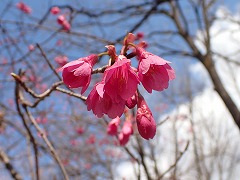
125 133
112 128
145 122
78 73
55 10
132 101
120 80
100 103
153 71
24 8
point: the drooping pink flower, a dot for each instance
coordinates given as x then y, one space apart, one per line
100 103
153 71
112 128
24 8
132 101
120 80
145 122
125 133
78 73
55 10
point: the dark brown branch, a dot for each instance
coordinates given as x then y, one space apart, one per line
5 159
18 96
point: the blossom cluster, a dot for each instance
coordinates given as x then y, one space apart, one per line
61 19
118 88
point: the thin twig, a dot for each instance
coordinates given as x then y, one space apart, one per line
177 160
50 146
48 62
18 96
84 98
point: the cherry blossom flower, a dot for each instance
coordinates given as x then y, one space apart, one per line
153 71
120 80
24 8
125 133
112 128
55 10
145 122
78 73
100 103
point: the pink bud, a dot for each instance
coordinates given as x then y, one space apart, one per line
61 19
55 10
125 134
80 130
31 47
112 128
112 52
131 102
140 35
24 8
145 122
66 25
